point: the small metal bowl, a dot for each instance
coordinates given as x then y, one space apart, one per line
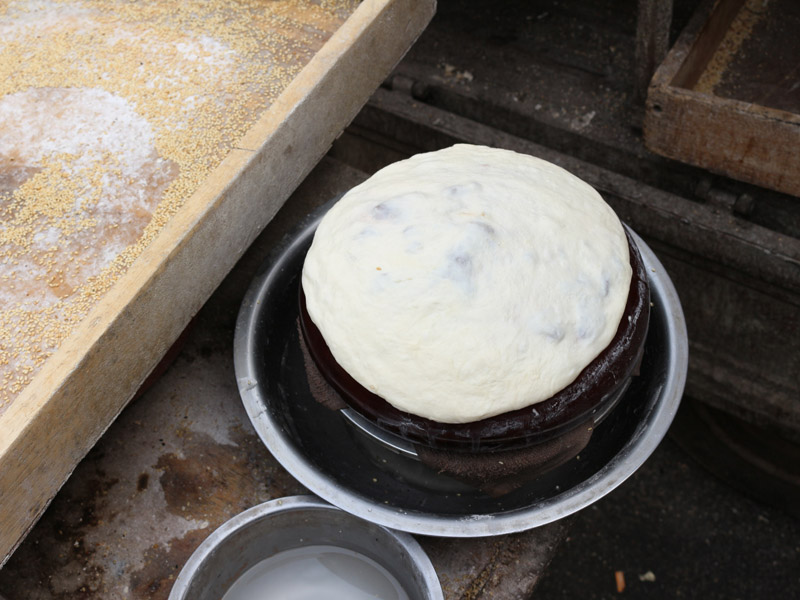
296 522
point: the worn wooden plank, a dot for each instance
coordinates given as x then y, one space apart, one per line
746 142
653 21
685 64
81 389
743 140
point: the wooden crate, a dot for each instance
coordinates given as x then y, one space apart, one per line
85 383
727 97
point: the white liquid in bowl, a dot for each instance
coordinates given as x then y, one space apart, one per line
315 573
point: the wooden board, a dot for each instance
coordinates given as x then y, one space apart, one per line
81 387
726 97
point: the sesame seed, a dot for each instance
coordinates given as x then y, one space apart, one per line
112 114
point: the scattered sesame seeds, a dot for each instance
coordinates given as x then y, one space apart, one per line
112 113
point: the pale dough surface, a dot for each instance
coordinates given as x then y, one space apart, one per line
468 282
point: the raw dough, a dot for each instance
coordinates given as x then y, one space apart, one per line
468 282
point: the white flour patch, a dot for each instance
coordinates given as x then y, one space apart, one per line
89 155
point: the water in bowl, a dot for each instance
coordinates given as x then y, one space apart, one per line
315 572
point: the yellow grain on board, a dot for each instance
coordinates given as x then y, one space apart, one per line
740 29
112 113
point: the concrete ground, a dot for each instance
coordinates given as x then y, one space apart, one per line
675 530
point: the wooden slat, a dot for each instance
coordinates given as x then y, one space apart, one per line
653 20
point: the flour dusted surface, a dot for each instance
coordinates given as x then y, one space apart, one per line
112 115
468 282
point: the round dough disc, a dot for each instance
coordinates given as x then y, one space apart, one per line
468 282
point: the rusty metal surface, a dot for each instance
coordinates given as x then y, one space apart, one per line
183 458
